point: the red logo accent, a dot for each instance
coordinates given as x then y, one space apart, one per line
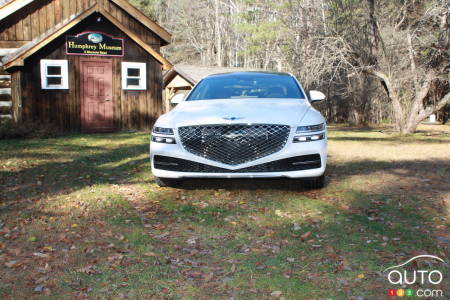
392 292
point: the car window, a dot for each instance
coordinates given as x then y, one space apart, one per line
246 86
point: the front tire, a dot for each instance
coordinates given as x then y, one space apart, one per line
168 182
315 183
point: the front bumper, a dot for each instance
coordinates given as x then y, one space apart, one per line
290 150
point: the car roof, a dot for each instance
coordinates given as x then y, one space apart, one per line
247 73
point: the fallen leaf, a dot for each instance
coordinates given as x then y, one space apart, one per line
195 274
41 280
39 289
191 241
47 249
233 268
276 294
159 226
90 270
11 263
15 251
209 277
41 255
305 236
361 276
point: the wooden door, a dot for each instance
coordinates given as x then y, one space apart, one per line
96 95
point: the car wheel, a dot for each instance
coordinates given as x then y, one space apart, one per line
316 183
168 182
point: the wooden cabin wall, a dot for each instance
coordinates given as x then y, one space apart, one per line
132 109
40 16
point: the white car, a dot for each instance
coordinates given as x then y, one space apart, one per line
241 125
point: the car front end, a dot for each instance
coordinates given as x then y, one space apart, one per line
199 152
242 138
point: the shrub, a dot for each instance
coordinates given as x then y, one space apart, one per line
9 130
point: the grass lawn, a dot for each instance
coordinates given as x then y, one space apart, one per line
81 217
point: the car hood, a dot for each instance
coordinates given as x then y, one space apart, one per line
230 111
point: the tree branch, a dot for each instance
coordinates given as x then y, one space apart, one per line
392 94
411 60
433 108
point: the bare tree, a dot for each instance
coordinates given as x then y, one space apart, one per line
346 47
412 58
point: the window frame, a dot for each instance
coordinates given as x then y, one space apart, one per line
142 76
64 65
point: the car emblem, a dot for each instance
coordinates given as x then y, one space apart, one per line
233 118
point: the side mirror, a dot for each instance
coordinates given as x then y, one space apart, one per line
315 96
177 98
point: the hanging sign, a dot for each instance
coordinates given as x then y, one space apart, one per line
94 43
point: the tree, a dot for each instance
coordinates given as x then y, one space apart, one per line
376 59
408 53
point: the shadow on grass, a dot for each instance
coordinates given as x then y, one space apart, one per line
104 166
407 168
243 227
390 139
245 184
254 229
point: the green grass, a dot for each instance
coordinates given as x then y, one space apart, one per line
89 202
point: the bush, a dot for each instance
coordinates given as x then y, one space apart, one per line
10 130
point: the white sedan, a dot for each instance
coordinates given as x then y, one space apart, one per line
241 125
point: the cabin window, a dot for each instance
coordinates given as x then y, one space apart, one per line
54 74
134 76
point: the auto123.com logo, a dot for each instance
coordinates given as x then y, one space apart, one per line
427 279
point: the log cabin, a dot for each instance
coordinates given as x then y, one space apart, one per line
82 65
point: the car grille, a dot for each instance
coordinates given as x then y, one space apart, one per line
234 144
296 163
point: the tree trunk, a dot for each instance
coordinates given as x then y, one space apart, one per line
407 121
414 119
218 36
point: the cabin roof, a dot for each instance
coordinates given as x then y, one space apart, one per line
17 58
194 74
9 7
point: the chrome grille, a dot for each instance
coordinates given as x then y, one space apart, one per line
234 144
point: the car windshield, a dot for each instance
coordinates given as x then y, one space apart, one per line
247 85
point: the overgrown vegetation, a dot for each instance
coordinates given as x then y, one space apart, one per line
80 217
11 130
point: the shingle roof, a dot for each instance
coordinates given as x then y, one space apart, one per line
198 72
193 73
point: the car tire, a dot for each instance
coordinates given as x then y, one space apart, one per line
315 183
168 182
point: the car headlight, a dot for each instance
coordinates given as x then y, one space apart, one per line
163 130
310 128
304 133
163 139
309 138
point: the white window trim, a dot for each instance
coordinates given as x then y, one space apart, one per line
142 71
45 63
